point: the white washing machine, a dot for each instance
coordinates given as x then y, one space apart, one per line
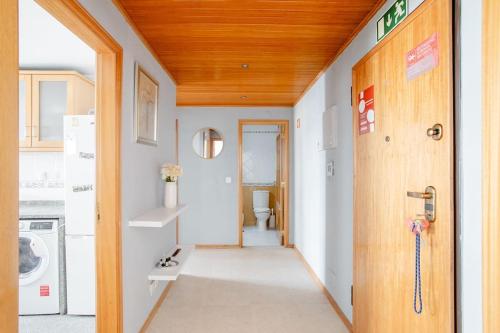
38 267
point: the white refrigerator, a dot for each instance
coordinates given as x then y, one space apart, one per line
80 212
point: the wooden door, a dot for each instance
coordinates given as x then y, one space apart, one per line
399 157
52 98
24 110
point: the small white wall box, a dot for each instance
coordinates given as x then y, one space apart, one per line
329 169
330 128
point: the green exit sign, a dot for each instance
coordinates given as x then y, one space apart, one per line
392 17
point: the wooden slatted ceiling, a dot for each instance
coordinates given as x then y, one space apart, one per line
286 44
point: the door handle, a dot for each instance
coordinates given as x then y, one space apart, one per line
419 195
430 201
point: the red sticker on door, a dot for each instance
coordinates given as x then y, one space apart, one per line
366 108
423 58
44 290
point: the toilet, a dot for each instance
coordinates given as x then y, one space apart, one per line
261 208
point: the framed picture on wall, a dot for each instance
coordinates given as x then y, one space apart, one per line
146 107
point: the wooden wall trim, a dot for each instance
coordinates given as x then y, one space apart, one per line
9 160
325 291
109 63
348 42
144 41
491 166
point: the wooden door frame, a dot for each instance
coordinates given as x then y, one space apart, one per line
109 57
277 122
491 167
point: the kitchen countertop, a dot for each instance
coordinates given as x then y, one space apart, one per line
41 209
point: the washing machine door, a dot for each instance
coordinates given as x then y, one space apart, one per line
33 258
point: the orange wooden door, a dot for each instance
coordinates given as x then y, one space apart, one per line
398 157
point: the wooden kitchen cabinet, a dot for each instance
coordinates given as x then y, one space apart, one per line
44 98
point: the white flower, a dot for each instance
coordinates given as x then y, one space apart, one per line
170 172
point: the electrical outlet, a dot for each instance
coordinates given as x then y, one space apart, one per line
152 286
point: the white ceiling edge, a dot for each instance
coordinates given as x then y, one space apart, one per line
46 44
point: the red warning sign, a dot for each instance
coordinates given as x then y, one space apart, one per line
44 290
423 58
366 108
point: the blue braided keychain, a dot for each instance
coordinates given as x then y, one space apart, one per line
418 281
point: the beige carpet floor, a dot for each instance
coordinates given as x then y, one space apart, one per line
255 290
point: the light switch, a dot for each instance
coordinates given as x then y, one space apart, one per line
228 180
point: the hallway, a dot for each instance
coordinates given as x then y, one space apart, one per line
250 166
245 290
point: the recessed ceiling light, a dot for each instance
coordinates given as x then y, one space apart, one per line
243 97
244 66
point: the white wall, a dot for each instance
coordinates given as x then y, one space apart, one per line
323 206
141 184
259 154
41 176
212 216
44 43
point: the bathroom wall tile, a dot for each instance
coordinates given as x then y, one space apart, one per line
259 154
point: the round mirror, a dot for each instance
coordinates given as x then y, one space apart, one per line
207 143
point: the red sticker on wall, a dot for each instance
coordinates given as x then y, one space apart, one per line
44 290
423 58
366 108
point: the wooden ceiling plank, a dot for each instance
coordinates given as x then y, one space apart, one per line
286 43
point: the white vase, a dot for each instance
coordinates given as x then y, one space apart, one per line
170 198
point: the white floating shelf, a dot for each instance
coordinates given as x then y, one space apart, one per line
171 273
158 217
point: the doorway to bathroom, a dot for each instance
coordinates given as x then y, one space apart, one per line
263 179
